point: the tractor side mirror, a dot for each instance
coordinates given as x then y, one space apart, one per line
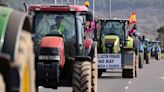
89 16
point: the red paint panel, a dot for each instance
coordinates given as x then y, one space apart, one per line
48 8
54 42
88 43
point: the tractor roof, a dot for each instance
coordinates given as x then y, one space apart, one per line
57 8
111 19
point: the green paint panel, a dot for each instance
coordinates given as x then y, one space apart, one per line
115 48
4 18
130 42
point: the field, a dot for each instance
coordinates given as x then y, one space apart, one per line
162 55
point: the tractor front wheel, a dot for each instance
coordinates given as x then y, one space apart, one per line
141 60
95 72
82 77
25 60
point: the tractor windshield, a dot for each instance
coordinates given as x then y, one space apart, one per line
58 23
113 28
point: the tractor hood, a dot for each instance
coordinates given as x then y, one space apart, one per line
112 42
4 17
52 42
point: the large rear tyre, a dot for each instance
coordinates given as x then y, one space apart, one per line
2 84
141 60
136 65
147 58
95 72
128 73
158 56
25 61
100 72
82 77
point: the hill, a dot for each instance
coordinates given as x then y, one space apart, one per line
150 13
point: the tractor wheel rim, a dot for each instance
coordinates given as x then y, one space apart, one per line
26 79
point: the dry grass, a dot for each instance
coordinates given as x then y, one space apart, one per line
162 55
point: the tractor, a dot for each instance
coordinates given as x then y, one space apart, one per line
141 49
116 50
17 69
156 50
63 55
147 50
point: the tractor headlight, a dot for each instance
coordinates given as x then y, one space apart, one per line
46 57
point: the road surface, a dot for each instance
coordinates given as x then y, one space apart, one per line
150 79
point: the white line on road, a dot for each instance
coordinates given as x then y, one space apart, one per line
161 78
40 87
129 82
126 88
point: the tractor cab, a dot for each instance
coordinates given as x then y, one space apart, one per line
155 49
115 48
113 33
60 45
62 21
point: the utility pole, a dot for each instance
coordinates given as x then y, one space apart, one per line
94 8
61 1
55 2
74 2
110 9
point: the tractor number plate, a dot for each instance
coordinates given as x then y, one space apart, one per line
109 61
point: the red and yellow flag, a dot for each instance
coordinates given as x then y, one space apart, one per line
133 18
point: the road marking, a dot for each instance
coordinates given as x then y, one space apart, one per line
126 88
129 82
162 78
40 87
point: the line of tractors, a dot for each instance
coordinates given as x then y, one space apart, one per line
47 46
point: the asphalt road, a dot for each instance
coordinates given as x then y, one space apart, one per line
150 79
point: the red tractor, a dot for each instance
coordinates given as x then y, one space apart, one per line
64 57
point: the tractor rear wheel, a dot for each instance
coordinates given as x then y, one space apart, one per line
157 56
100 71
147 58
128 73
82 77
95 72
136 65
2 84
25 60
141 60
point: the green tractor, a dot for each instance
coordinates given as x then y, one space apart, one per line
17 70
116 50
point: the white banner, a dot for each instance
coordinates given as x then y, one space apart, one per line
109 61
